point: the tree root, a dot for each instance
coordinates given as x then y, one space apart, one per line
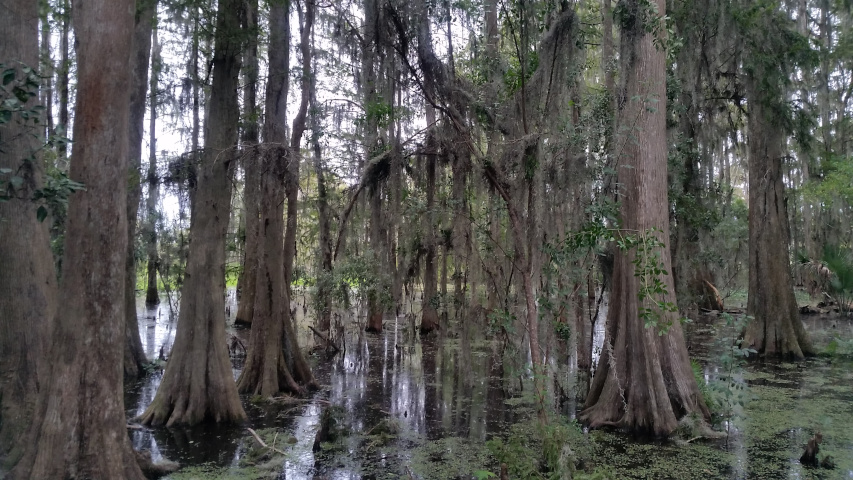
153 470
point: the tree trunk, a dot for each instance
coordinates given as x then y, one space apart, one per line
371 140
46 66
429 315
461 230
198 383
152 297
324 300
375 310
274 362
63 78
644 382
134 357
248 274
79 429
27 273
776 328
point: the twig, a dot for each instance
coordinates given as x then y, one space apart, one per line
263 444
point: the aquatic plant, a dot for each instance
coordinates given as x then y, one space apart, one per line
729 391
541 451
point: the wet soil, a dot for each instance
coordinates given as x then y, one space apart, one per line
425 409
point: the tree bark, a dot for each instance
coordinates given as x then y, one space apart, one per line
152 296
371 140
79 429
375 311
198 383
27 273
644 382
47 67
248 274
776 328
134 357
274 362
461 230
429 314
324 301
62 79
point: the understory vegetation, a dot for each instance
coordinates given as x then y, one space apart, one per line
511 239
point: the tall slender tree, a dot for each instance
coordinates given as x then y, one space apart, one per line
134 357
776 328
79 429
274 362
198 384
249 140
152 296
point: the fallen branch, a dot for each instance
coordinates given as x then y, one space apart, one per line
325 338
263 444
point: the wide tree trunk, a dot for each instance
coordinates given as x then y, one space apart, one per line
266 371
27 273
776 328
79 430
644 382
134 356
198 383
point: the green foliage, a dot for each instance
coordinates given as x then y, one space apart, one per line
839 261
502 321
355 278
655 309
834 180
515 76
483 474
57 188
775 51
540 451
839 347
704 390
18 85
728 393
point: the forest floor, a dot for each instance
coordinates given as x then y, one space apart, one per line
451 407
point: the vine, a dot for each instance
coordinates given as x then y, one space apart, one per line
649 267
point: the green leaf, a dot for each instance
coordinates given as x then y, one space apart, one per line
8 76
41 213
483 474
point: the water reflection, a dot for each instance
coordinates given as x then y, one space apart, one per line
455 385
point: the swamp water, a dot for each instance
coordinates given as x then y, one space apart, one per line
425 410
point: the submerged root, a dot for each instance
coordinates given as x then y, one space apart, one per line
153 470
